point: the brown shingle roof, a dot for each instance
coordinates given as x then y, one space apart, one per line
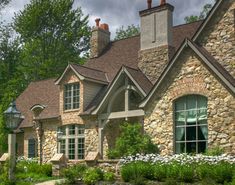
140 78
125 52
43 92
90 73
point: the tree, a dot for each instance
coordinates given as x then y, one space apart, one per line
3 3
52 35
130 31
10 83
201 16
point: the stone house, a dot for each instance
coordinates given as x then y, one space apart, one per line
177 81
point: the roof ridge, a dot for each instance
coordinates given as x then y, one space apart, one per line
87 67
188 23
35 81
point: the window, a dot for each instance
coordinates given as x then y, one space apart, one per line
31 148
72 141
191 131
71 96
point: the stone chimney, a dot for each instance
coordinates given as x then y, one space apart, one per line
156 43
100 39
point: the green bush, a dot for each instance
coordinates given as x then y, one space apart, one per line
109 176
214 151
140 170
159 172
186 173
34 167
131 142
92 176
173 171
74 173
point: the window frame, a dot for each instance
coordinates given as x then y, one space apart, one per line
73 104
196 126
79 153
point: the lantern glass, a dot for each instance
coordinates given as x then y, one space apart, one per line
13 117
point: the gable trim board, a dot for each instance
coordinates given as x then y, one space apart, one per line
205 22
80 76
122 70
224 76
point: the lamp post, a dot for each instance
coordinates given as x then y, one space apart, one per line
13 118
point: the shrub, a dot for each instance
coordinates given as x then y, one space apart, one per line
216 151
222 172
159 171
74 173
109 176
92 175
186 173
141 170
131 142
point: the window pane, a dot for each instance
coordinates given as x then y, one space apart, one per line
180 148
81 130
191 102
202 147
201 102
191 117
180 134
31 148
71 148
62 146
191 133
202 114
180 104
180 118
71 129
81 148
191 147
62 130
202 133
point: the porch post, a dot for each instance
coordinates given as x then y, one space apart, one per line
101 138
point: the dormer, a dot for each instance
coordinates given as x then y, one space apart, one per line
78 86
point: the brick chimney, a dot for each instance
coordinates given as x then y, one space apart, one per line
100 38
155 38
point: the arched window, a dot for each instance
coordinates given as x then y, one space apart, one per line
71 141
191 130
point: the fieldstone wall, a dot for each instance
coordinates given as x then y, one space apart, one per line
49 140
219 36
190 76
152 61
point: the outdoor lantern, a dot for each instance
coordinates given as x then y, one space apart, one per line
13 117
59 134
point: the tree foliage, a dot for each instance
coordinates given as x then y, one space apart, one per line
130 31
206 9
52 34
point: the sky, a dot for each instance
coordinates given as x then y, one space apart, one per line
118 12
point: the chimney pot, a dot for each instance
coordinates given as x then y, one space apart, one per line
149 4
163 2
104 27
97 21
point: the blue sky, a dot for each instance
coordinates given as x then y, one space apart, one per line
119 12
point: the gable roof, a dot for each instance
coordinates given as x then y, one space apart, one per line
136 76
44 93
85 73
125 52
207 59
207 20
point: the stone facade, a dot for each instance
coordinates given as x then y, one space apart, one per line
219 36
49 140
190 76
152 61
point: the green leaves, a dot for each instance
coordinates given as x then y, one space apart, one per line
53 34
130 31
132 141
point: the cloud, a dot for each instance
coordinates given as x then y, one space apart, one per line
119 12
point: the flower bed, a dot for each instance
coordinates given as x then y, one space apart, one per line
178 168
